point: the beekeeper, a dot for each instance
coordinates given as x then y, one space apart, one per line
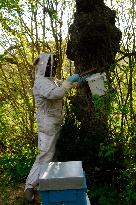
48 93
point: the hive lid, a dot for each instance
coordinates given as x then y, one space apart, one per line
61 176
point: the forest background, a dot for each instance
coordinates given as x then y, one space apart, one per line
28 28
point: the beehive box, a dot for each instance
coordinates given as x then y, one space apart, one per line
62 183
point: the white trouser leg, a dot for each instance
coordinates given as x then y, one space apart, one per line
87 199
46 145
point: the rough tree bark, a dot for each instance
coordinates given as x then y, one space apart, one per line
94 38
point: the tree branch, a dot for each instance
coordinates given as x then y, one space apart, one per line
126 55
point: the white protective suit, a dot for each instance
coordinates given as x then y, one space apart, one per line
48 95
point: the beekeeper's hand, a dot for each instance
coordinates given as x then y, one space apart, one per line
73 78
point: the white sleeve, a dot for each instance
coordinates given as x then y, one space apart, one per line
44 87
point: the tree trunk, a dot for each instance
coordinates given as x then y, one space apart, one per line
93 44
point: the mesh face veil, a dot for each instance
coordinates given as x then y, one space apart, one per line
45 65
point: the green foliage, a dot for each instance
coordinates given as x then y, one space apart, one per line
101 105
107 152
9 4
104 195
15 167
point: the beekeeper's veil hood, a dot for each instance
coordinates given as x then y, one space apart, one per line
41 64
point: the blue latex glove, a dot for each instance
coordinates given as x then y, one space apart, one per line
73 78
